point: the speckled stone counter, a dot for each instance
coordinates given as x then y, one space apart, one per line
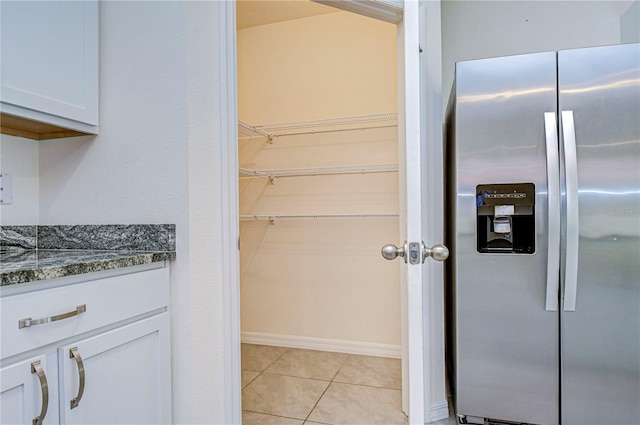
33 253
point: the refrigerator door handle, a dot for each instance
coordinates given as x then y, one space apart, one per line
571 182
553 211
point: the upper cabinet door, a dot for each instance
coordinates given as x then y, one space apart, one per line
50 62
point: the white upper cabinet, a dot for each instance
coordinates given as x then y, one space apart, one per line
49 67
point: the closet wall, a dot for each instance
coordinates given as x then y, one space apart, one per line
319 283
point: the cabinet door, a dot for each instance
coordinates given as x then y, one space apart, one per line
24 391
118 377
50 59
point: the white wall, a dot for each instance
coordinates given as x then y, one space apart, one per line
319 279
19 157
313 69
630 24
157 160
481 29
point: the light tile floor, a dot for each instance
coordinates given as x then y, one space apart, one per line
289 386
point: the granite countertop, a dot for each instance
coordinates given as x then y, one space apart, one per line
31 265
37 253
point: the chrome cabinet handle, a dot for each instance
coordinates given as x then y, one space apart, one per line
571 182
25 323
75 354
553 211
36 368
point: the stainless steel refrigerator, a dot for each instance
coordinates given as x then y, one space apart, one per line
543 225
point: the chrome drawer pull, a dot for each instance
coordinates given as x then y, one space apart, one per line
36 367
25 323
75 355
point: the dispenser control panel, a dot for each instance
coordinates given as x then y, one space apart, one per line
505 215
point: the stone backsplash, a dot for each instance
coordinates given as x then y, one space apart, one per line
134 237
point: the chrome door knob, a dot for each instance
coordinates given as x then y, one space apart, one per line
437 252
391 252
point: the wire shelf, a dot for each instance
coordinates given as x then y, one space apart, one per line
321 171
277 217
364 122
245 172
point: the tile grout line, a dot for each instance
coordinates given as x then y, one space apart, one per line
361 385
249 383
275 416
278 358
325 390
264 371
260 372
316 404
297 377
366 386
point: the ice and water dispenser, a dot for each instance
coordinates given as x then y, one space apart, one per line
506 218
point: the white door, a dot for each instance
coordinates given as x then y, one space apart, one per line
420 171
118 377
410 209
420 208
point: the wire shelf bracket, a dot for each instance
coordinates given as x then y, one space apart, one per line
248 131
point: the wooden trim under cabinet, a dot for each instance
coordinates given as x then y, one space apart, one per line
21 127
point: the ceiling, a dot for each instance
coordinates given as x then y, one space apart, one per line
252 13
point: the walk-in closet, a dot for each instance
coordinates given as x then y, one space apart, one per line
318 191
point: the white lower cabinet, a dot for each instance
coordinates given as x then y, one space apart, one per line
115 371
24 391
117 377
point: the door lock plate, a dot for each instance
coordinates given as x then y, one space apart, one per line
415 253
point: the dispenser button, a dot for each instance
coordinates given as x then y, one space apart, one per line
504 210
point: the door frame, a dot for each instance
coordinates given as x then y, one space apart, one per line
230 226
417 340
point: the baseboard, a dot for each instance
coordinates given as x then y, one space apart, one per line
439 410
336 345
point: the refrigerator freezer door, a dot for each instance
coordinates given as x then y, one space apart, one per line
506 355
600 339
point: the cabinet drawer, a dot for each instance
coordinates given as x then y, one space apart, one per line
106 301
